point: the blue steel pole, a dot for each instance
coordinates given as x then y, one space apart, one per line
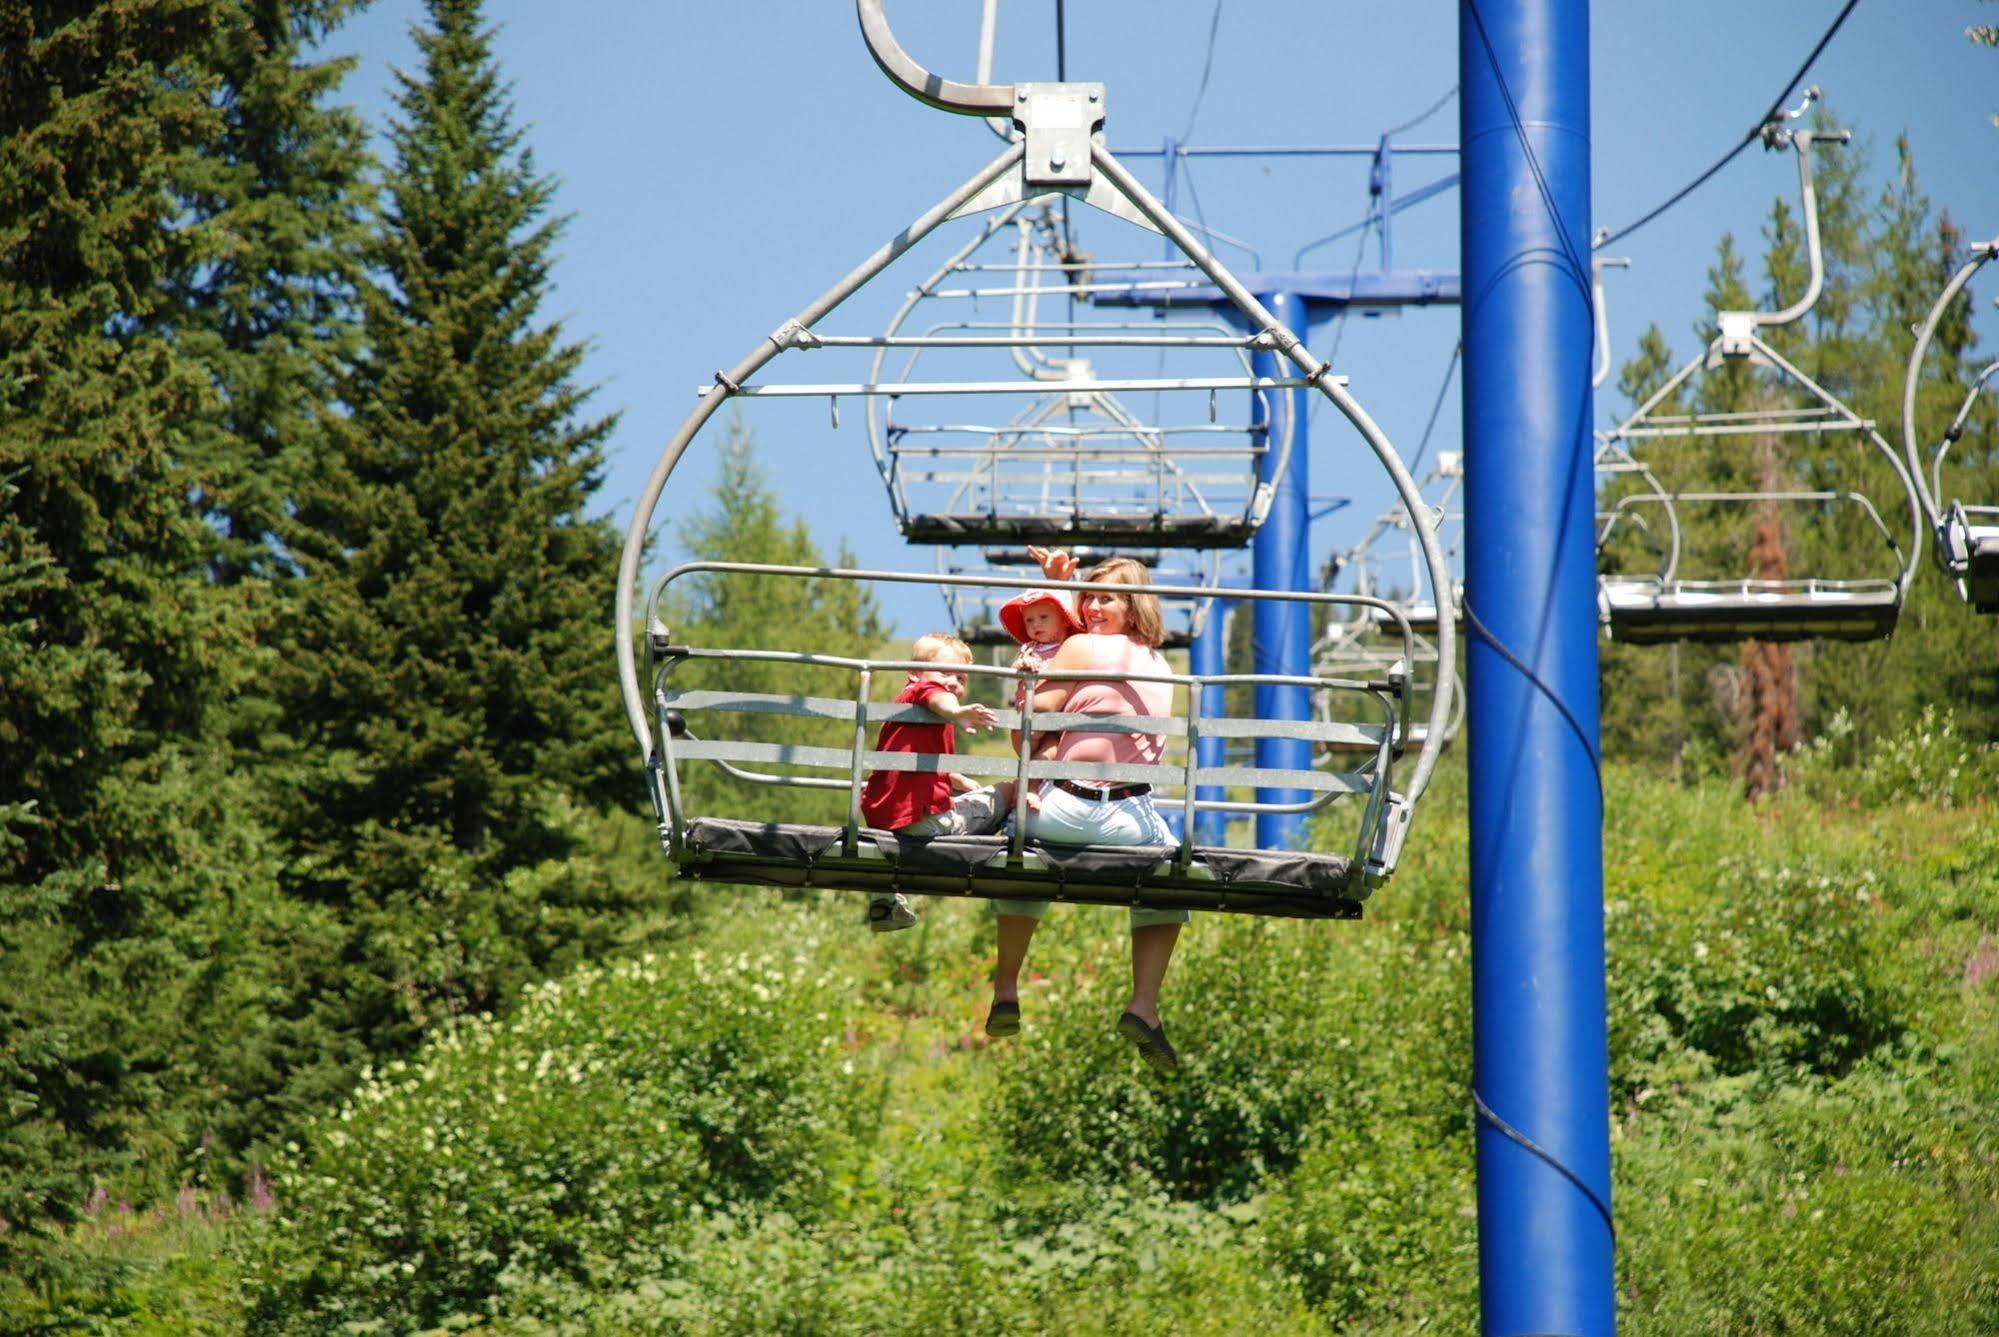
1209 655
1540 1064
1282 630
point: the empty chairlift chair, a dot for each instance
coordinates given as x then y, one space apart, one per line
1042 436
1853 573
1967 533
775 718
1386 575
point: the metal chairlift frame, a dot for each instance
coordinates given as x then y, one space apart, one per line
851 856
1001 461
1967 534
1665 607
1060 151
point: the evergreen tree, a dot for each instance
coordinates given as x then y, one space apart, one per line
272 315
116 654
444 665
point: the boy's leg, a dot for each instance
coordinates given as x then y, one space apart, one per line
890 911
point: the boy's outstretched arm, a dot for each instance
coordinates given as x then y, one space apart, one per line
974 715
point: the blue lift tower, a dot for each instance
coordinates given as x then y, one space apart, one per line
1539 1051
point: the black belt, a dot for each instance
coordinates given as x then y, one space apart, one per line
1102 794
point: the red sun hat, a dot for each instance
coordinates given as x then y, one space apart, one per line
1013 613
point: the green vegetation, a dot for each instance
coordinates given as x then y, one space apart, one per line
342 987
784 1124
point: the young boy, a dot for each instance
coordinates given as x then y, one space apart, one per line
928 803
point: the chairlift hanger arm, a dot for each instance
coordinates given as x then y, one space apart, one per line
932 89
1929 483
1803 141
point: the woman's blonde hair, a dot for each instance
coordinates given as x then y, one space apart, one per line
1145 623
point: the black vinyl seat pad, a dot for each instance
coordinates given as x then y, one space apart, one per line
1164 531
1641 613
1304 884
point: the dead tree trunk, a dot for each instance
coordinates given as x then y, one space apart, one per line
1768 706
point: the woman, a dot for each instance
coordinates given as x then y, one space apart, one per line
1122 629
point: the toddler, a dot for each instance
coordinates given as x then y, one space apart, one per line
1040 620
929 803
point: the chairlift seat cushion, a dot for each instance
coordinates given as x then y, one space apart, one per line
1301 885
1642 615
1158 531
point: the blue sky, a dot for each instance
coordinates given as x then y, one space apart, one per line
724 163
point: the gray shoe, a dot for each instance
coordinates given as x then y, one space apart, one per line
1151 1041
886 914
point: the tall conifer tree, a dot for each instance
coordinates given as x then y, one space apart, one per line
447 665
115 652
272 316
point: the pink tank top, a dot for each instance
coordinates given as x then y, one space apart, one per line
1118 653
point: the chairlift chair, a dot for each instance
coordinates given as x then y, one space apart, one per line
1665 604
1366 642
1058 150
703 723
1967 533
1076 462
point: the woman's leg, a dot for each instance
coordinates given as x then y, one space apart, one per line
1151 953
1015 932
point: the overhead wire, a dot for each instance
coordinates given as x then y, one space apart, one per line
1450 368
1207 67
1606 237
1375 211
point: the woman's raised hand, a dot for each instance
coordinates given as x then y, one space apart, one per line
1055 563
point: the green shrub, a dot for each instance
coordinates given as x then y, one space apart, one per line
1280 1024
1378 1223
1768 969
1763 1207
1117 1264
574 1144
1928 762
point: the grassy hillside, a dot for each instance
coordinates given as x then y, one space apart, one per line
785 1124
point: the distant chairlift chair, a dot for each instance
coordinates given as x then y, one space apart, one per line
1662 606
1967 534
1367 642
1076 464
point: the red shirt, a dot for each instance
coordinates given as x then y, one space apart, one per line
892 800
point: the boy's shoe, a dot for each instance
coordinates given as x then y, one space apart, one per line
886 914
1003 1020
1151 1042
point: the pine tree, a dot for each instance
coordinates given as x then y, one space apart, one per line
445 662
